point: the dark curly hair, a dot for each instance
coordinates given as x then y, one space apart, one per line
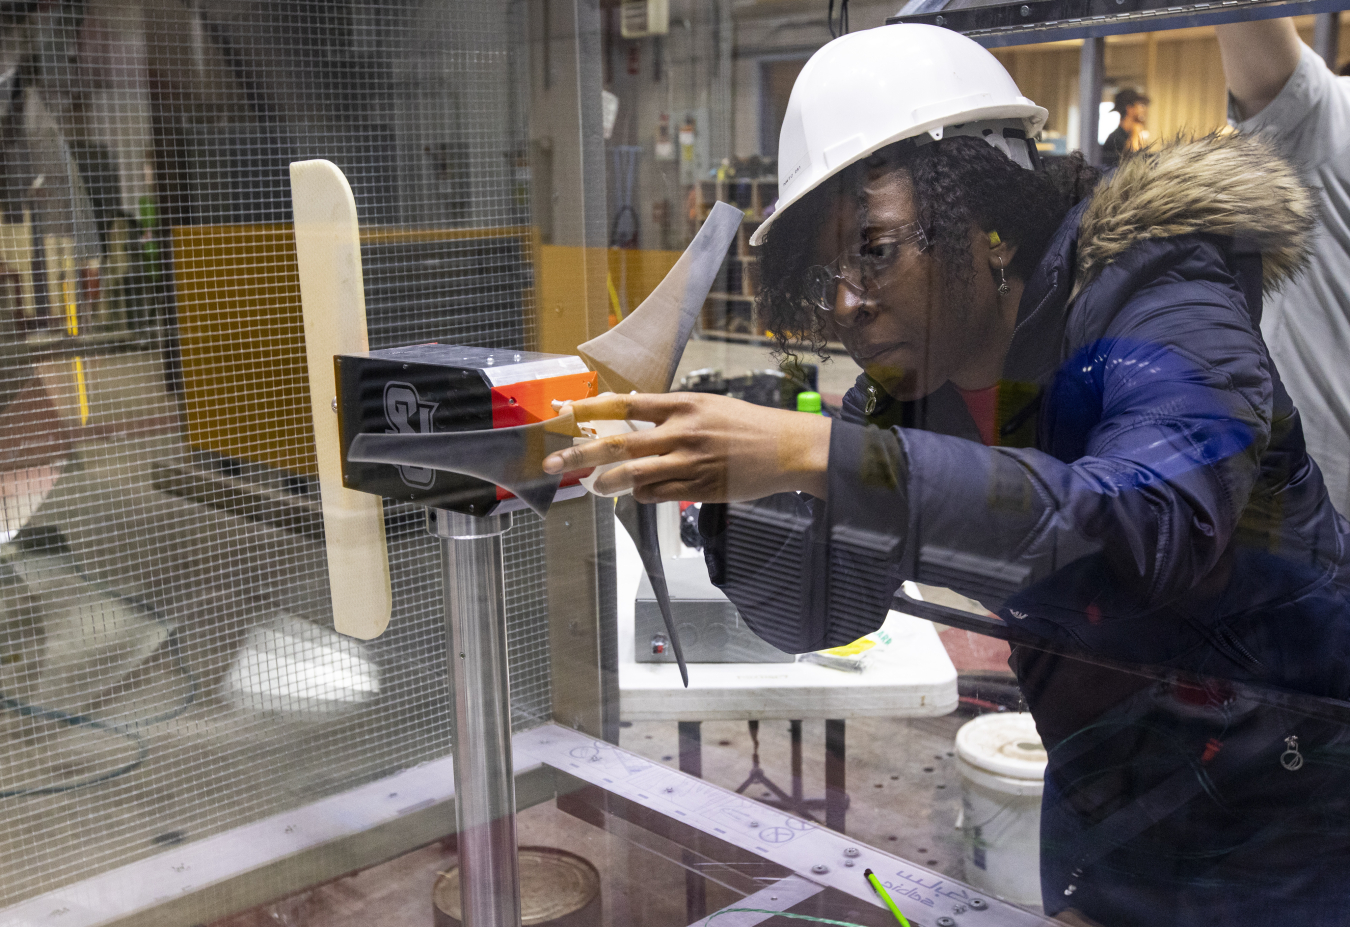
958 182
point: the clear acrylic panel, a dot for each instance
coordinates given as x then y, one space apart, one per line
976 547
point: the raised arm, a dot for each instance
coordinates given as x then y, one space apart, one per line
1258 59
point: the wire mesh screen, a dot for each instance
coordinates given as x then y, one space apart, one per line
168 667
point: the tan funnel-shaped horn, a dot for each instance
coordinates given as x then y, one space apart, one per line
643 351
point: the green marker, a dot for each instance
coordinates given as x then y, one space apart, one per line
881 890
808 402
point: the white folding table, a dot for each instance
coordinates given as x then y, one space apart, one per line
914 678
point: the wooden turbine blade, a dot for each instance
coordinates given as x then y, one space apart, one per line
328 250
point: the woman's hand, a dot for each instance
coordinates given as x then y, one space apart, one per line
704 448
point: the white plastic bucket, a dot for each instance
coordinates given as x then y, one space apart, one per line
1002 766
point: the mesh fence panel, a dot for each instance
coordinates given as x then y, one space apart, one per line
167 664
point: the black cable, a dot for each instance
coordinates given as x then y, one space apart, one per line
843 19
128 729
61 717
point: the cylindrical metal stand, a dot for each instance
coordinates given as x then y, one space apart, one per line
485 793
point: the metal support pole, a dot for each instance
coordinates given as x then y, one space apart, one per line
1091 77
485 791
1327 36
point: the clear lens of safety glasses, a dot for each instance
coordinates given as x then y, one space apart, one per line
858 269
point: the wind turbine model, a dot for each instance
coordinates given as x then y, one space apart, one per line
464 431
442 392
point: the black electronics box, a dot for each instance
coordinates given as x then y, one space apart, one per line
428 388
710 628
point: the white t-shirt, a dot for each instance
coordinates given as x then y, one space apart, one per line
1307 323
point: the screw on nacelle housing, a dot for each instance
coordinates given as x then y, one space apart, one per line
851 852
820 868
945 922
977 904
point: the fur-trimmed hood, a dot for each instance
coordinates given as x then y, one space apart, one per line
1229 184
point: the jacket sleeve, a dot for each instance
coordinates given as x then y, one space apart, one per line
1154 436
806 574
1156 431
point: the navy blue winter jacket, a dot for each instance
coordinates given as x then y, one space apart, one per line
1150 502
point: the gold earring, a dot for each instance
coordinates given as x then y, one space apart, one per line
1003 288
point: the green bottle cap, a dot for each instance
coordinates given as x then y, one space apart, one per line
808 402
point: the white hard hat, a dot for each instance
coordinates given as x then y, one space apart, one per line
870 89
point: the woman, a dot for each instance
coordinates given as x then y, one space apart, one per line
1068 413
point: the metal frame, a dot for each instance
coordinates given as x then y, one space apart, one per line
583 618
719 835
1091 77
1015 23
208 879
724 837
1004 25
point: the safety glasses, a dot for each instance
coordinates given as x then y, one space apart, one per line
859 269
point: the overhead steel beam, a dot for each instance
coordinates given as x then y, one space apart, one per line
999 25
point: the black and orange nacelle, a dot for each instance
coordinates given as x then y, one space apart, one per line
435 388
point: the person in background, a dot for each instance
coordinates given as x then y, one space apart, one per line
1130 135
1281 88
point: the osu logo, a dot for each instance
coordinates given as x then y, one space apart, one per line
407 414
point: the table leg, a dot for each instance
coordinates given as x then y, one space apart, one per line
691 748
795 728
691 762
836 795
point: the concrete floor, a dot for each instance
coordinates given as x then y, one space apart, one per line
901 779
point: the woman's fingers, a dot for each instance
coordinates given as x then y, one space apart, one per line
642 474
608 450
703 448
589 455
616 448
637 407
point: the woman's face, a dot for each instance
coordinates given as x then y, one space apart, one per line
904 329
